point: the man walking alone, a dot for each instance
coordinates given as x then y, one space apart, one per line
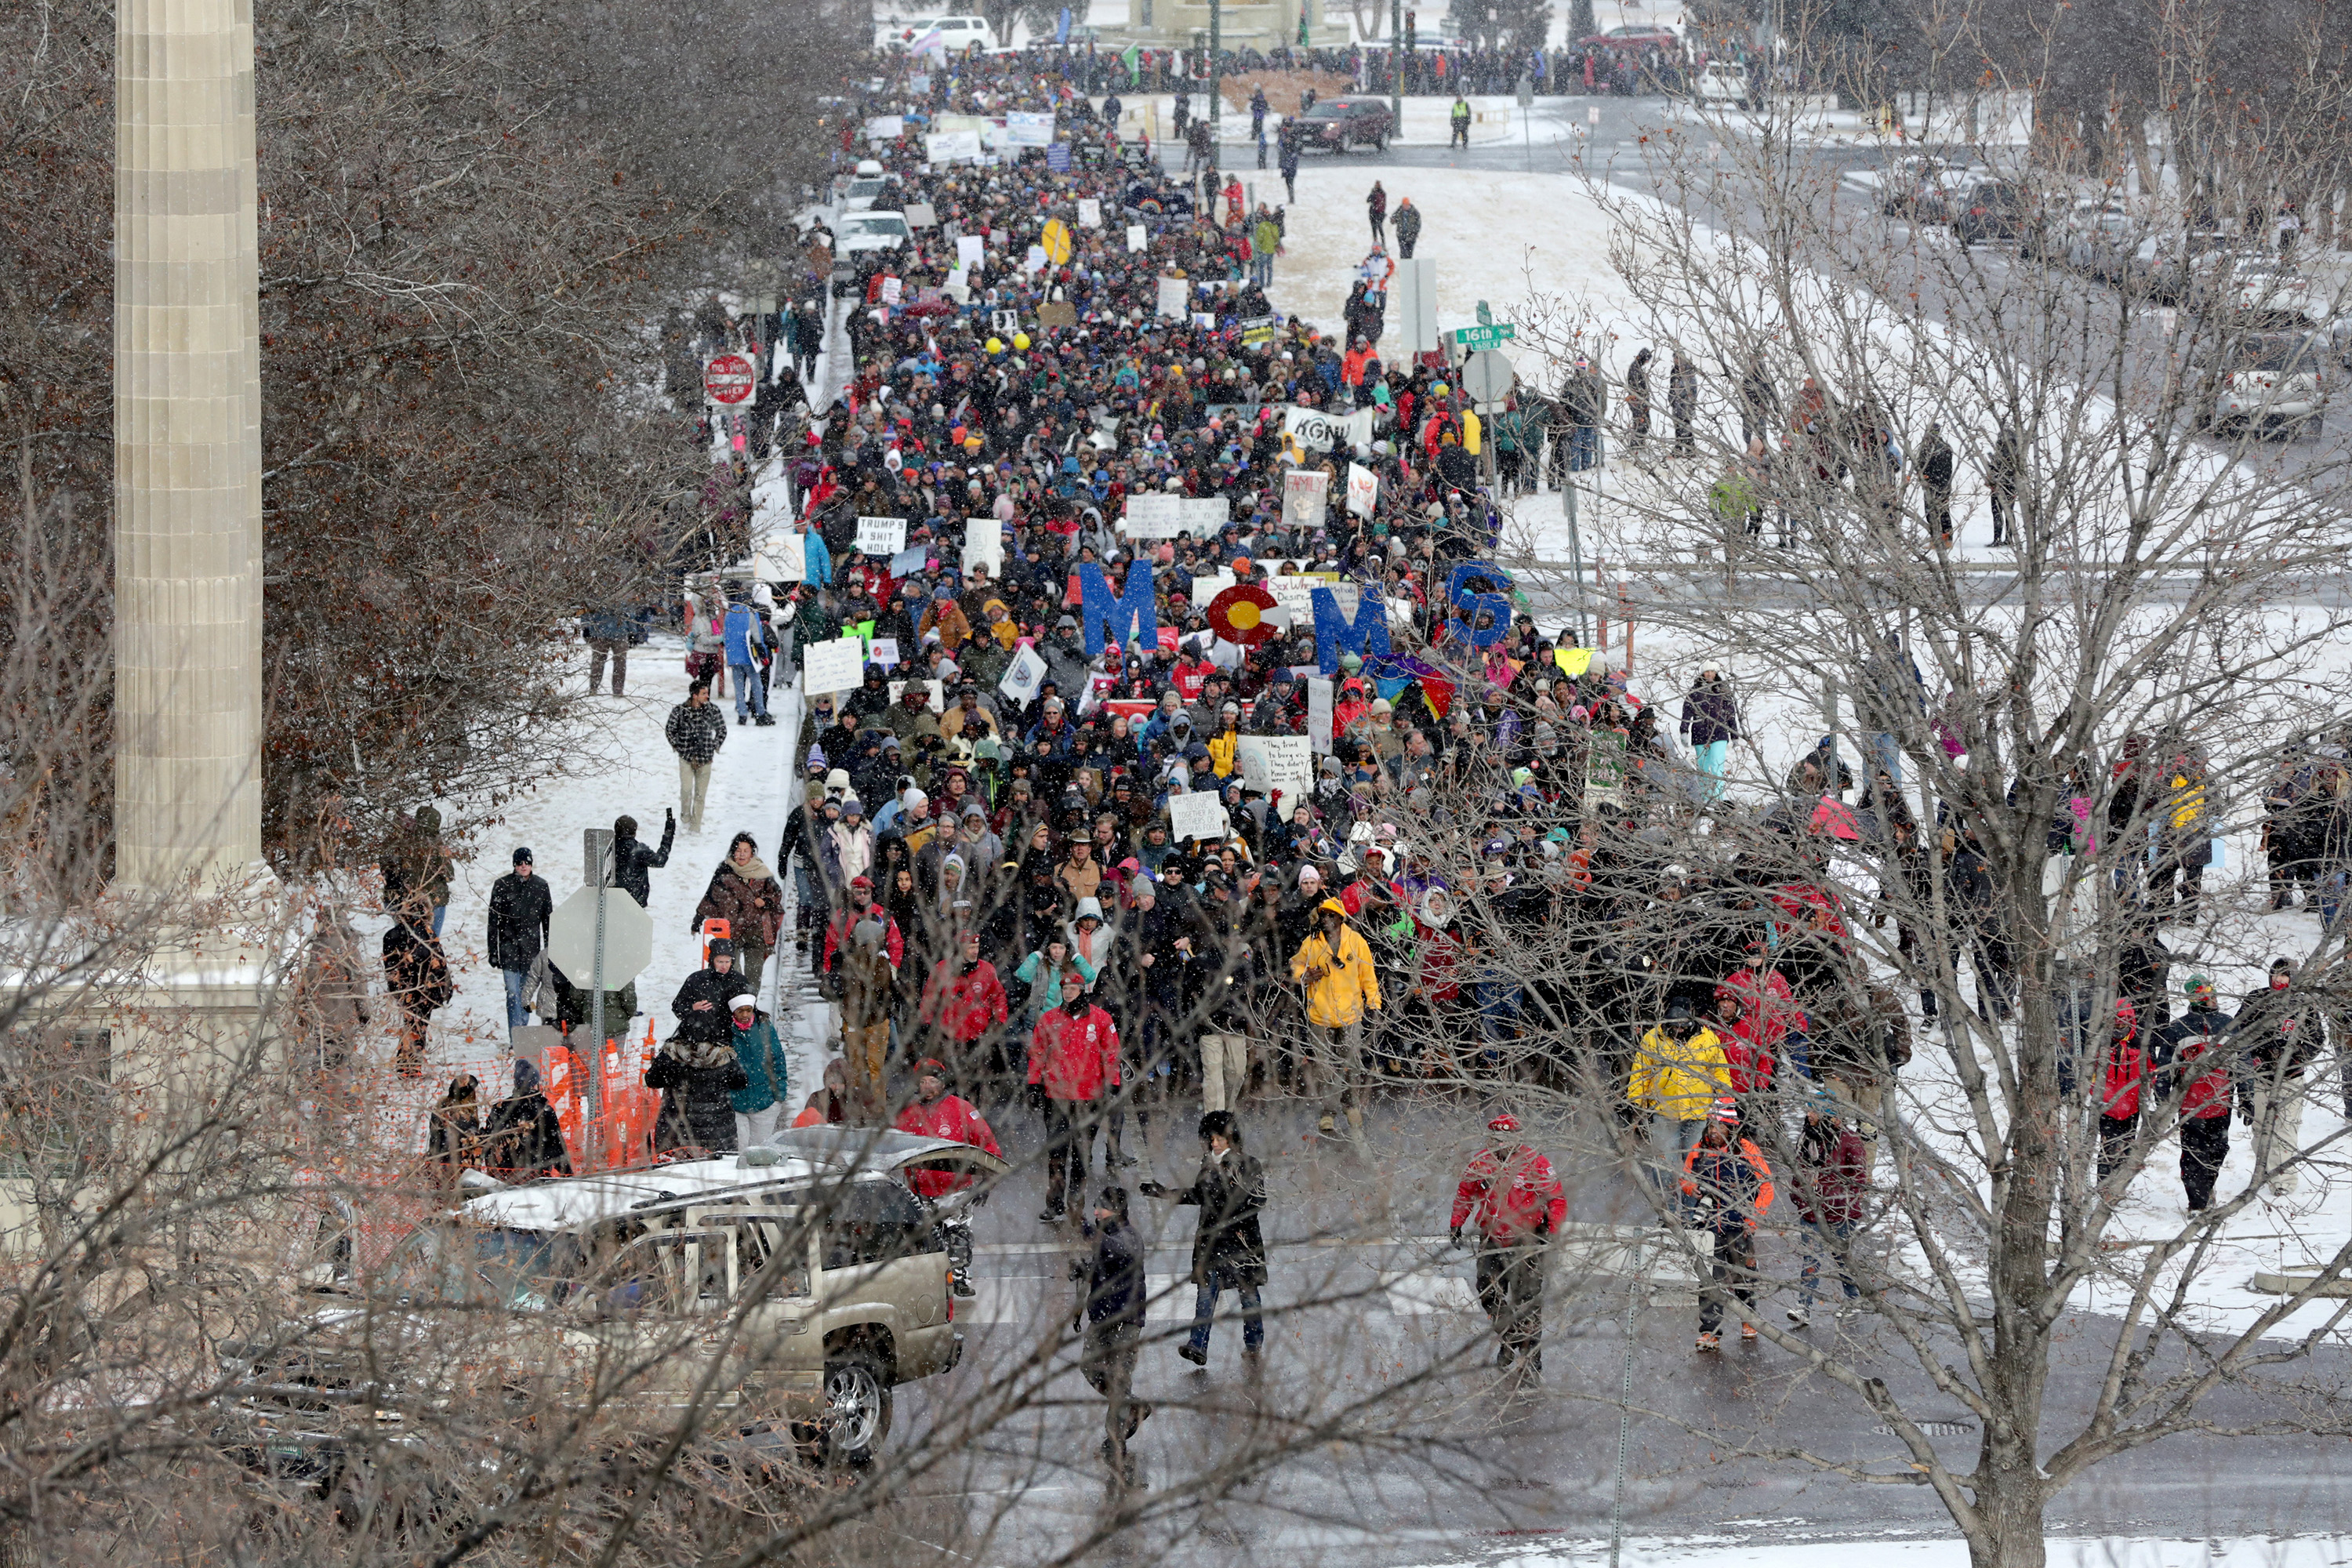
696 731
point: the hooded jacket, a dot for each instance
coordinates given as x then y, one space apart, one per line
748 898
1340 984
1679 1078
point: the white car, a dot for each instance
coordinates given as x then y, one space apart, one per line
857 232
1721 84
861 194
2268 286
958 32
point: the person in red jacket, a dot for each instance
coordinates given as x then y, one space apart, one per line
1073 1071
2191 1058
964 1000
2120 1086
1510 1194
935 1113
1832 1188
1728 1179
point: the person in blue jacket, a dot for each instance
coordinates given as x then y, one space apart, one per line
746 634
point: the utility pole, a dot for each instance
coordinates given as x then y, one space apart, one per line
1216 47
1575 554
1396 66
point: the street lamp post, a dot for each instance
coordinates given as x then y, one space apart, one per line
1216 47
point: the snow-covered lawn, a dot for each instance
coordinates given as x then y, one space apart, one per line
1891 1550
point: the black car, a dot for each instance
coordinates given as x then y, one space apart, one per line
1339 124
1992 209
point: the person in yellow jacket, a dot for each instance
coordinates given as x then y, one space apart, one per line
1334 964
1225 746
1678 1075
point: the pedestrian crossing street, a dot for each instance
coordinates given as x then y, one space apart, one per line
1432 1295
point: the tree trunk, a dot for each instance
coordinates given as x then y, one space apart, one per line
2011 1511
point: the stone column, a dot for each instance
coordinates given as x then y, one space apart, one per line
187 446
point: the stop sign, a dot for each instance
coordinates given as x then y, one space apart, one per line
628 937
727 380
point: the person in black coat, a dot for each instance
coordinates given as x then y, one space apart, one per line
696 1068
632 861
520 907
1228 1248
1710 722
416 973
524 1140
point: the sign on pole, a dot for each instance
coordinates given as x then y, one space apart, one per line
1472 340
1487 377
729 381
1199 815
628 937
837 666
1319 713
1413 299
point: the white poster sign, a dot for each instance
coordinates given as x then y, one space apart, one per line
1153 516
837 666
1135 238
884 128
1028 129
1293 599
1089 213
1305 494
1319 713
1035 259
1024 675
971 250
1172 298
951 146
1288 762
881 535
983 545
1319 431
886 652
1199 815
1206 516
1207 587
1363 489
910 561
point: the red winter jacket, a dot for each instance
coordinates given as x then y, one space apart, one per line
1510 1193
838 931
950 1116
2208 1095
2126 1071
965 1005
1767 1008
1075 1058
1748 1057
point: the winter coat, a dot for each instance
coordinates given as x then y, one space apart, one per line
415 970
695 733
696 1106
1075 1058
2197 1037
964 1001
520 906
1733 1181
1347 986
1408 226
523 1138
1229 1192
748 898
745 636
760 1055
716 1025
1510 1194
2126 1071
632 860
1709 715
1681 1080
1834 1164
950 1116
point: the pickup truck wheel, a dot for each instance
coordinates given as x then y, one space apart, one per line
856 1408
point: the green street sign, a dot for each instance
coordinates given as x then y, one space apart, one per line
1484 337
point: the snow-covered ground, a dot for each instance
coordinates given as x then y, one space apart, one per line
1891 1551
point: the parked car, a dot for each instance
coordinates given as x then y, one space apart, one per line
810 1271
1342 124
2268 291
2100 237
1992 210
960 33
1721 84
2265 383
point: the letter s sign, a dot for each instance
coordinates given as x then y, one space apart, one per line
1468 604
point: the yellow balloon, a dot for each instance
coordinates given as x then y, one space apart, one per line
1021 340
995 345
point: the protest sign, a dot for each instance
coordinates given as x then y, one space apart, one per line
1305 494
910 560
983 545
1172 298
1089 213
1319 713
884 652
1208 586
1199 815
837 666
1035 259
884 128
1288 762
1028 129
1135 240
1056 315
881 535
1023 675
1319 432
1153 516
951 146
971 250
1363 489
